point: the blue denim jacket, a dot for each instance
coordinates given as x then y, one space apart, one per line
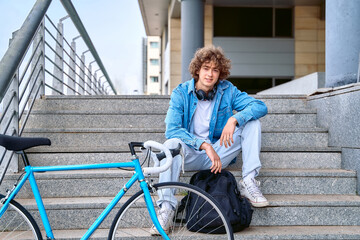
228 98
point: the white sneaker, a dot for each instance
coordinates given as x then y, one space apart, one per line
250 190
165 217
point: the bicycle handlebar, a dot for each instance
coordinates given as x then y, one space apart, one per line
169 157
165 153
174 152
157 168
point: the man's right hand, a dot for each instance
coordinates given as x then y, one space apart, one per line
214 157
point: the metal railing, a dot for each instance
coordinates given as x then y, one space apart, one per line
41 61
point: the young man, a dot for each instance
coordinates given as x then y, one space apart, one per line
200 117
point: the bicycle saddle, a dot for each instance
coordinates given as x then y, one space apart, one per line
22 143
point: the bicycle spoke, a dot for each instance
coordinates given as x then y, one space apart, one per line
17 223
179 229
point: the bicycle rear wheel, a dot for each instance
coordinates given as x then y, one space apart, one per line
17 223
133 219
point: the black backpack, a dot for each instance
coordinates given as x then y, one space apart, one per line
223 187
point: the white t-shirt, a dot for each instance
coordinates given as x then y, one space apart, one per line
201 119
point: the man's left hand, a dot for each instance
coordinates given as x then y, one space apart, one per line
226 137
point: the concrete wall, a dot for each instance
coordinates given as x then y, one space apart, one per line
175 52
342 42
208 25
309 37
339 111
304 85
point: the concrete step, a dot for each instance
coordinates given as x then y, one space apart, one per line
116 139
146 104
61 119
79 120
104 104
292 158
284 102
133 233
291 119
295 158
284 210
299 232
252 233
109 182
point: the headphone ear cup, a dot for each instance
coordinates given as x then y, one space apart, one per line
201 95
211 95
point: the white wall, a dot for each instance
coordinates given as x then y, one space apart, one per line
304 85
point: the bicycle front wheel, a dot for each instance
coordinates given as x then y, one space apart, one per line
17 223
133 219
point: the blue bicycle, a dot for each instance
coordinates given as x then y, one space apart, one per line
135 218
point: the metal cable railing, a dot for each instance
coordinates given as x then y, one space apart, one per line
41 61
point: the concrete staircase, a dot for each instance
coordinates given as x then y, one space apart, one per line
310 196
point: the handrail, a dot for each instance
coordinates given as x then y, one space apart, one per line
26 75
69 7
14 55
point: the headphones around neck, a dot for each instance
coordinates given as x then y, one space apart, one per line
201 95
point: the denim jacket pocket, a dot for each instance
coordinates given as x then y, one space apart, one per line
226 110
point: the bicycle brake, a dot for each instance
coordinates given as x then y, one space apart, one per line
8 192
150 186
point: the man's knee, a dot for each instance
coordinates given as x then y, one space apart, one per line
252 126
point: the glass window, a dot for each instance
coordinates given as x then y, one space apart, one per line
154 44
154 62
283 22
252 22
154 79
279 81
254 85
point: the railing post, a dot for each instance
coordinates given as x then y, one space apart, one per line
72 69
11 98
95 82
103 88
358 75
82 75
58 80
13 117
99 85
42 58
38 64
89 85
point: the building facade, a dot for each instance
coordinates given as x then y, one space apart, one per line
269 42
152 65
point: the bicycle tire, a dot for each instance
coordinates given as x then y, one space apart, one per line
133 219
17 223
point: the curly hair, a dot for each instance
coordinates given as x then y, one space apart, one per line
208 54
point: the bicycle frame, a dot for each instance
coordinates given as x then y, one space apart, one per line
138 176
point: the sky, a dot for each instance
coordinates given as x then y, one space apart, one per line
114 26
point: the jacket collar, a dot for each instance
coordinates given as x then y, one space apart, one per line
191 87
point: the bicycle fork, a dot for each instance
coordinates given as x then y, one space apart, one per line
150 205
